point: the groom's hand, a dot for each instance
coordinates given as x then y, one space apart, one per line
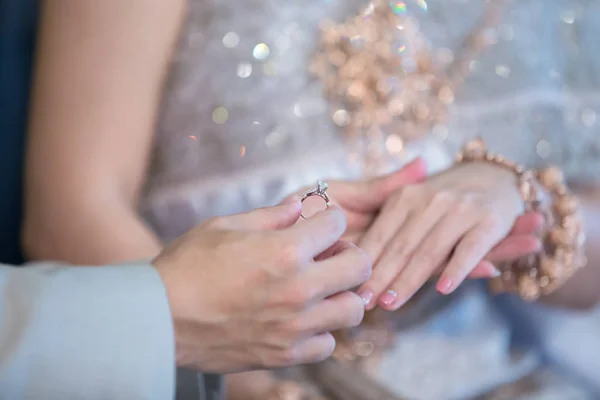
256 290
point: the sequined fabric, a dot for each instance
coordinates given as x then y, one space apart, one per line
244 124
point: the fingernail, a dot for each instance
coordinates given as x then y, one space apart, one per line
388 298
444 286
495 273
366 296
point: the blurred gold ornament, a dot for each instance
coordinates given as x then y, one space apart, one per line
380 69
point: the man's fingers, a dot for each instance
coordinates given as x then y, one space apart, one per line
314 350
316 234
341 311
514 247
348 268
357 221
337 248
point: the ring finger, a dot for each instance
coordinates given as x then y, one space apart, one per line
397 253
344 310
471 249
430 254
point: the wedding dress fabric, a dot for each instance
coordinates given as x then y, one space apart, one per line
244 124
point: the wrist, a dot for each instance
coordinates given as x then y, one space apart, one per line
482 176
493 173
543 191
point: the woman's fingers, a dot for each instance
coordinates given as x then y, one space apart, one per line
469 252
432 251
383 229
399 250
527 223
369 196
511 248
514 247
519 243
484 270
357 221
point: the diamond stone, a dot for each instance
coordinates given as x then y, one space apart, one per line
322 186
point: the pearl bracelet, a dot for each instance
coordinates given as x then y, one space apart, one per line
563 237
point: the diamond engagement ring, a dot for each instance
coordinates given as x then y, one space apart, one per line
321 191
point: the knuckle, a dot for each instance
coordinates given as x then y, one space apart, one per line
217 223
491 221
296 327
468 247
225 241
471 242
432 255
463 205
442 198
289 257
288 357
422 258
301 296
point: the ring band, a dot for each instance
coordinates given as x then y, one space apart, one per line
321 191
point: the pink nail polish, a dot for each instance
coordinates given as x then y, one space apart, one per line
388 298
366 296
444 286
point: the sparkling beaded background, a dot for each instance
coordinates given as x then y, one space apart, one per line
244 122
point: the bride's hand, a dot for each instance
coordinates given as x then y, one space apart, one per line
361 200
450 222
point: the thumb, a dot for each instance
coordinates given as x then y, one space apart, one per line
369 195
280 216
